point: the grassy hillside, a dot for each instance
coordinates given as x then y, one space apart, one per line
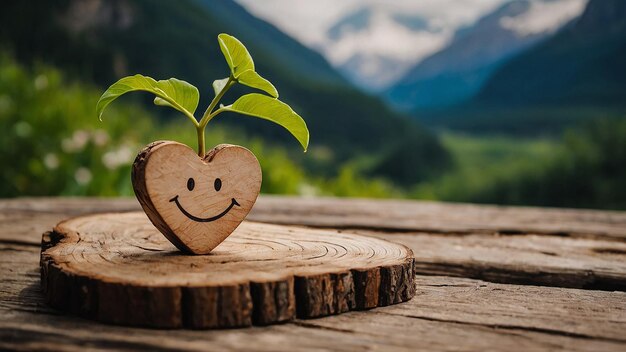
101 42
584 168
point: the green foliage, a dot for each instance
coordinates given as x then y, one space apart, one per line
252 79
395 163
480 161
173 39
349 183
280 174
184 97
237 56
585 168
173 92
587 171
51 147
242 66
274 110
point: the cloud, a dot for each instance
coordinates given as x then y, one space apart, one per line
308 20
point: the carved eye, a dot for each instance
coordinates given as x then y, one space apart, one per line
217 184
191 184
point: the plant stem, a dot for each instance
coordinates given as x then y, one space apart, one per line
201 144
200 127
207 114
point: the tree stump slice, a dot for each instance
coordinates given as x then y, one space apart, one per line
117 268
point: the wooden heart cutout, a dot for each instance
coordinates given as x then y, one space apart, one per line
196 202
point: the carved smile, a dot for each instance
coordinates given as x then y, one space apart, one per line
233 202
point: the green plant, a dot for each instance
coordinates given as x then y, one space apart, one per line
184 97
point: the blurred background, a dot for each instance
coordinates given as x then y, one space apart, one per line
488 101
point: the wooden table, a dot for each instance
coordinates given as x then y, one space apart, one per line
489 278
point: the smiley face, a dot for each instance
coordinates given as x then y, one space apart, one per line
196 203
190 186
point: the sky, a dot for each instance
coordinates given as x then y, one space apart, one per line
308 20
380 54
376 57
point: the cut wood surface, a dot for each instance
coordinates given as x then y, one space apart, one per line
449 312
118 268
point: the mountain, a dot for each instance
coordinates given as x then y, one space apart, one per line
270 43
458 72
575 76
369 44
101 41
583 65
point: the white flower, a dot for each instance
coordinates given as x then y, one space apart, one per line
80 138
83 176
76 143
100 138
51 161
116 158
307 190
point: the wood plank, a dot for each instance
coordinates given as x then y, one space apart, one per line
583 313
387 215
424 216
596 262
447 314
518 259
23 220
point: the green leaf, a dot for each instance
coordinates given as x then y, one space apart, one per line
262 106
242 66
236 54
173 92
181 92
254 80
219 84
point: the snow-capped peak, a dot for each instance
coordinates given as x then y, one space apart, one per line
375 42
366 47
543 16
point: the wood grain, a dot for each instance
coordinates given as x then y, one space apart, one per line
196 202
450 314
437 217
525 259
117 268
392 216
569 259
